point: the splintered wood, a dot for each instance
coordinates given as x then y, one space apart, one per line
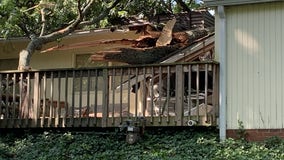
166 35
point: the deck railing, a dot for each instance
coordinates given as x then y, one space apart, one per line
162 95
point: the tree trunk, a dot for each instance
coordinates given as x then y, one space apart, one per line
148 55
136 56
26 54
24 60
24 65
37 42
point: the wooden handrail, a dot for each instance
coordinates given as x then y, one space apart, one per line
75 97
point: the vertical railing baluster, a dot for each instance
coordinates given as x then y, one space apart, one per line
66 100
189 104
152 105
36 99
113 95
21 110
14 101
96 96
27 97
51 107
197 92
7 98
168 93
136 93
73 98
80 97
58 108
206 93
128 92
144 97
43 100
160 94
121 96
88 97
105 98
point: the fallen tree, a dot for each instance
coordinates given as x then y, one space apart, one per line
144 49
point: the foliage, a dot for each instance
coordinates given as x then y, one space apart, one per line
241 132
274 142
20 17
45 21
24 17
156 144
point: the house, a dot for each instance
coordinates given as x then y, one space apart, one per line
181 89
249 47
69 58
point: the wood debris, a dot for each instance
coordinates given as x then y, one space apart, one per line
166 36
146 51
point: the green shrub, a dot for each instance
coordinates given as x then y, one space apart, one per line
160 144
273 142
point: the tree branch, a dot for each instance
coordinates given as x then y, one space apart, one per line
24 29
79 8
87 6
70 28
43 21
167 6
22 25
183 5
101 16
75 24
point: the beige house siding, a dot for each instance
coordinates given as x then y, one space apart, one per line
46 61
255 92
9 49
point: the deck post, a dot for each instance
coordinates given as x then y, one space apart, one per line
179 95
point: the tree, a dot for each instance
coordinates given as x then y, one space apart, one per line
45 21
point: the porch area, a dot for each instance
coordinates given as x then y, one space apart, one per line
179 94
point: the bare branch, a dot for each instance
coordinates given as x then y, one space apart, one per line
79 8
75 24
183 5
41 5
43 21
87 6
101 16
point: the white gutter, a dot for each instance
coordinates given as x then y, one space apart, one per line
223 72
215 3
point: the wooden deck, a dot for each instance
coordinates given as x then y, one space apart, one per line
159 95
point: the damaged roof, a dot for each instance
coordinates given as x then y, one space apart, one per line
153 44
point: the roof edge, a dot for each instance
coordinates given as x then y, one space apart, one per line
214 3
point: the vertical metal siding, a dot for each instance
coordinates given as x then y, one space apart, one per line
255 74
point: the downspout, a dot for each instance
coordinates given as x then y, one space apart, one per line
223 73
